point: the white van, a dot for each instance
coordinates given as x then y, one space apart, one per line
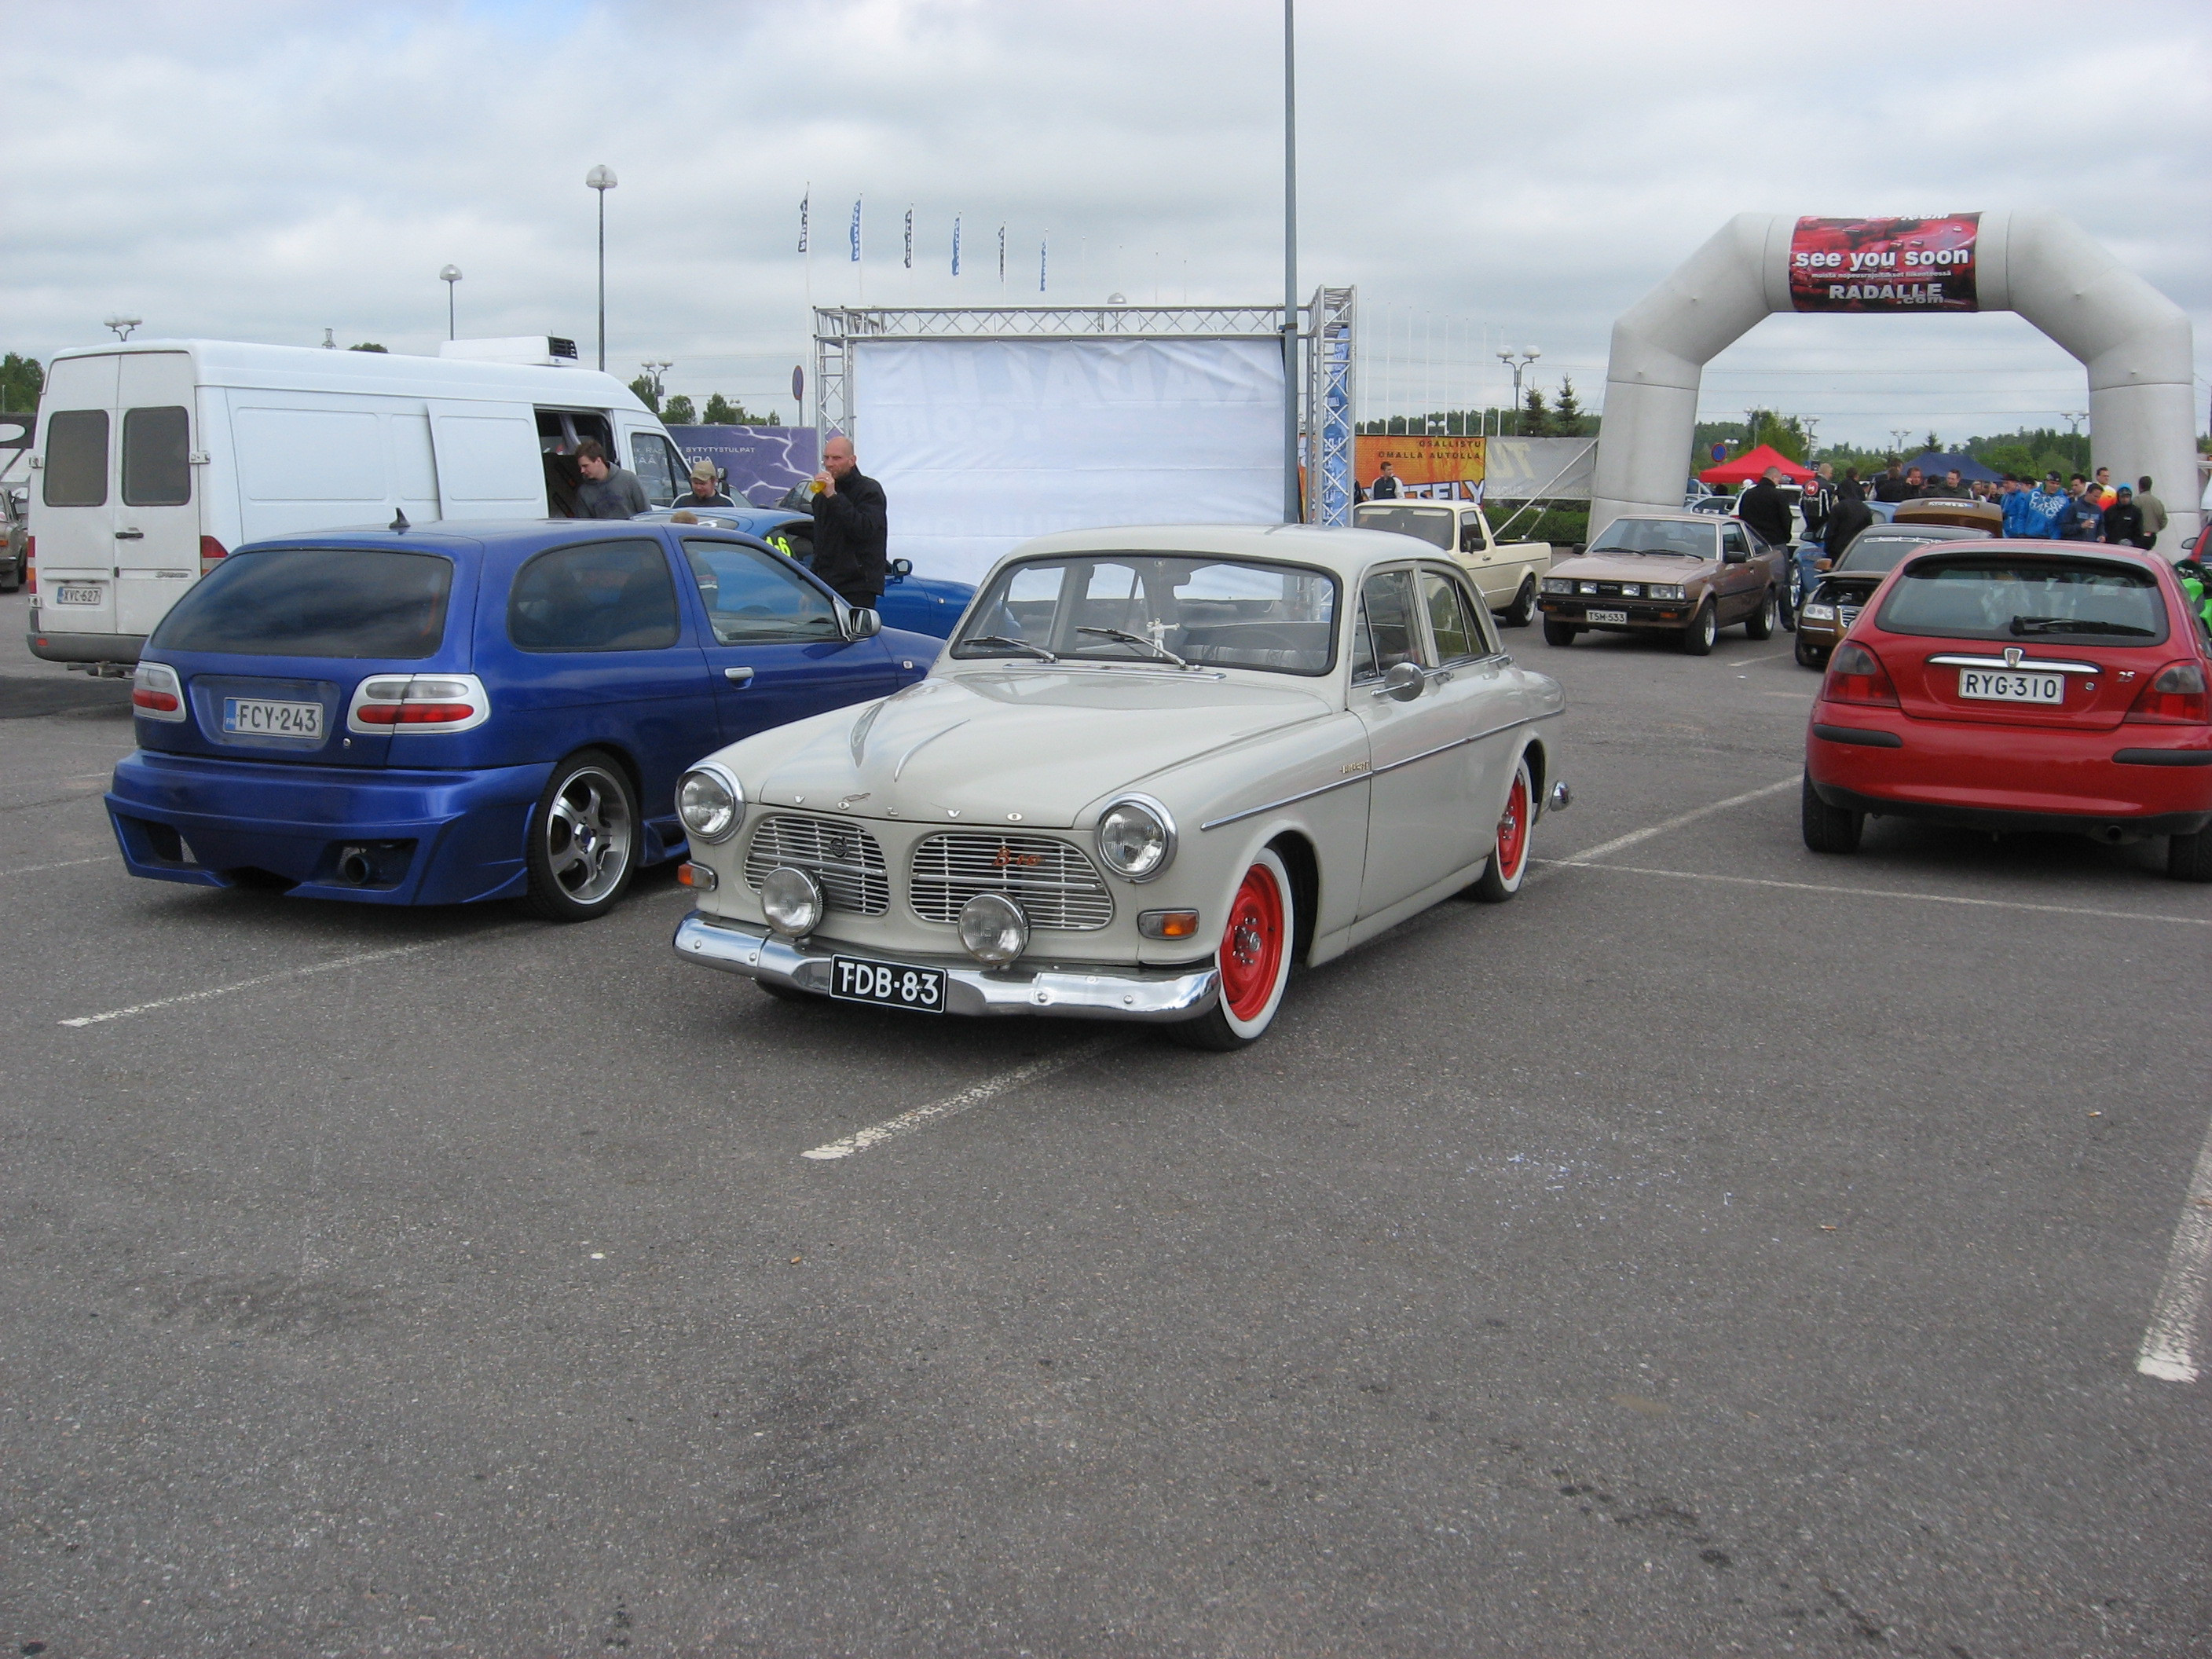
155 457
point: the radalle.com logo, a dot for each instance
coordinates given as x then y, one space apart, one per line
1884 264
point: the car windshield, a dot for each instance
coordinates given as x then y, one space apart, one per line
1873 552
355 602
1993 597
1161 608
1433 524
1691 541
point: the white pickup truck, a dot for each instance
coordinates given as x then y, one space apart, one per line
1508 573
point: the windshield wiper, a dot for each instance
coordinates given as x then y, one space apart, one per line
1137 640
1038 651
2071 625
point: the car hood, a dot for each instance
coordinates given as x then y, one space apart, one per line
984 746
1633 568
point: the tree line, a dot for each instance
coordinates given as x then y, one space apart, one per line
678 410
1561 415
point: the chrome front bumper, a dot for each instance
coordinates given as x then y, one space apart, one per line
1066 991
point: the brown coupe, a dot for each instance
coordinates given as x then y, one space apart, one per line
1831 609
1689 575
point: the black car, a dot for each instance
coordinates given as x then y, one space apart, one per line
1828 615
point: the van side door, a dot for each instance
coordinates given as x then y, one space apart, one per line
489 466
156 515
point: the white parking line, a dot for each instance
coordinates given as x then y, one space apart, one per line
1635 836
1886 892
989 1089
2167 1345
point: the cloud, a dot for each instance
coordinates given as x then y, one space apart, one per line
262 170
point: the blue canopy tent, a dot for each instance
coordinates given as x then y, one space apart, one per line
1934 463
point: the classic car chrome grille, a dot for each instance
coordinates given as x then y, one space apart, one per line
1054 882
844 858
1620 590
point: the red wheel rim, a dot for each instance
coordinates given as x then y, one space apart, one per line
1251 954
1513 830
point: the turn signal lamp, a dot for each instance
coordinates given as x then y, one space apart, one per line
2175 697
418 702
697 877
1855 675
212 553
155 692
1167 924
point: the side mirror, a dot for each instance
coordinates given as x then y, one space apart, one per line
902 569
865 624
1735 556
1403 683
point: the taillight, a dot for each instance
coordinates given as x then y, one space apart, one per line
155 692
2175 697
434 702
31 562
212 553
1855 675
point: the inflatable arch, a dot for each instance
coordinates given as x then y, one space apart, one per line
2135 341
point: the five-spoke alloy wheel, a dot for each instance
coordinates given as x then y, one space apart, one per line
583 839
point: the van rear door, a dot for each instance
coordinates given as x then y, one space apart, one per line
157 518
71 510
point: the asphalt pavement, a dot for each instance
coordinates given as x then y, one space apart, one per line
1717 1249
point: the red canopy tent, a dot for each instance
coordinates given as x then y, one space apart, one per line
1751 463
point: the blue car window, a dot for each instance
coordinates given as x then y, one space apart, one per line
751 597
353 602
595 596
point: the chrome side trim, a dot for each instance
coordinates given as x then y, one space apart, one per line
2024 666
1342 783
1064 990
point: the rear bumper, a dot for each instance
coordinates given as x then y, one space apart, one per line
2106 784
385 837
1157 996
58 645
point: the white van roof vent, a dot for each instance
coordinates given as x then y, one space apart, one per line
543 350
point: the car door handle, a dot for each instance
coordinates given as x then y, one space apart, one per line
739 676
129 535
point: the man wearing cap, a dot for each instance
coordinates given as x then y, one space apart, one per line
705 487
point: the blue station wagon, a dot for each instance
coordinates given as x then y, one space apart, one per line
457 711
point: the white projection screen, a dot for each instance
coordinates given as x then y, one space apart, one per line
982 444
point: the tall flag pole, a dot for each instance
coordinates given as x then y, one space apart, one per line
955 245
806 203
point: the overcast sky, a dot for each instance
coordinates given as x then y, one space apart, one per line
1484 174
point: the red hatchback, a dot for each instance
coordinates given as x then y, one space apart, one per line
2020 685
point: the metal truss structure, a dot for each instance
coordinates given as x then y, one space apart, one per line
1332 332
1327 387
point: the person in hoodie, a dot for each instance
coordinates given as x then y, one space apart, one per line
2047 505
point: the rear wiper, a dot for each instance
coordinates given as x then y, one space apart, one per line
2071 625
1000 640
1138 641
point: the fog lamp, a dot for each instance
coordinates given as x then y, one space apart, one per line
994 928
791 901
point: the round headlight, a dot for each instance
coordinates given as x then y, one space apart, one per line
791 901
994 928
711 803
1136 838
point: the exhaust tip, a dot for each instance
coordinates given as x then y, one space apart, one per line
354 867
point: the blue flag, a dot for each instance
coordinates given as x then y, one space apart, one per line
1043 248
955 245
856 231
802 201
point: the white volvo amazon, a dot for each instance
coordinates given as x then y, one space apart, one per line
1153 768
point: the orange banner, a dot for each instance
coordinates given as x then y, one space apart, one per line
1418 460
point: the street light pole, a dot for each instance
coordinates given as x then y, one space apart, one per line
602 179
1516 362
1293 509
449 276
